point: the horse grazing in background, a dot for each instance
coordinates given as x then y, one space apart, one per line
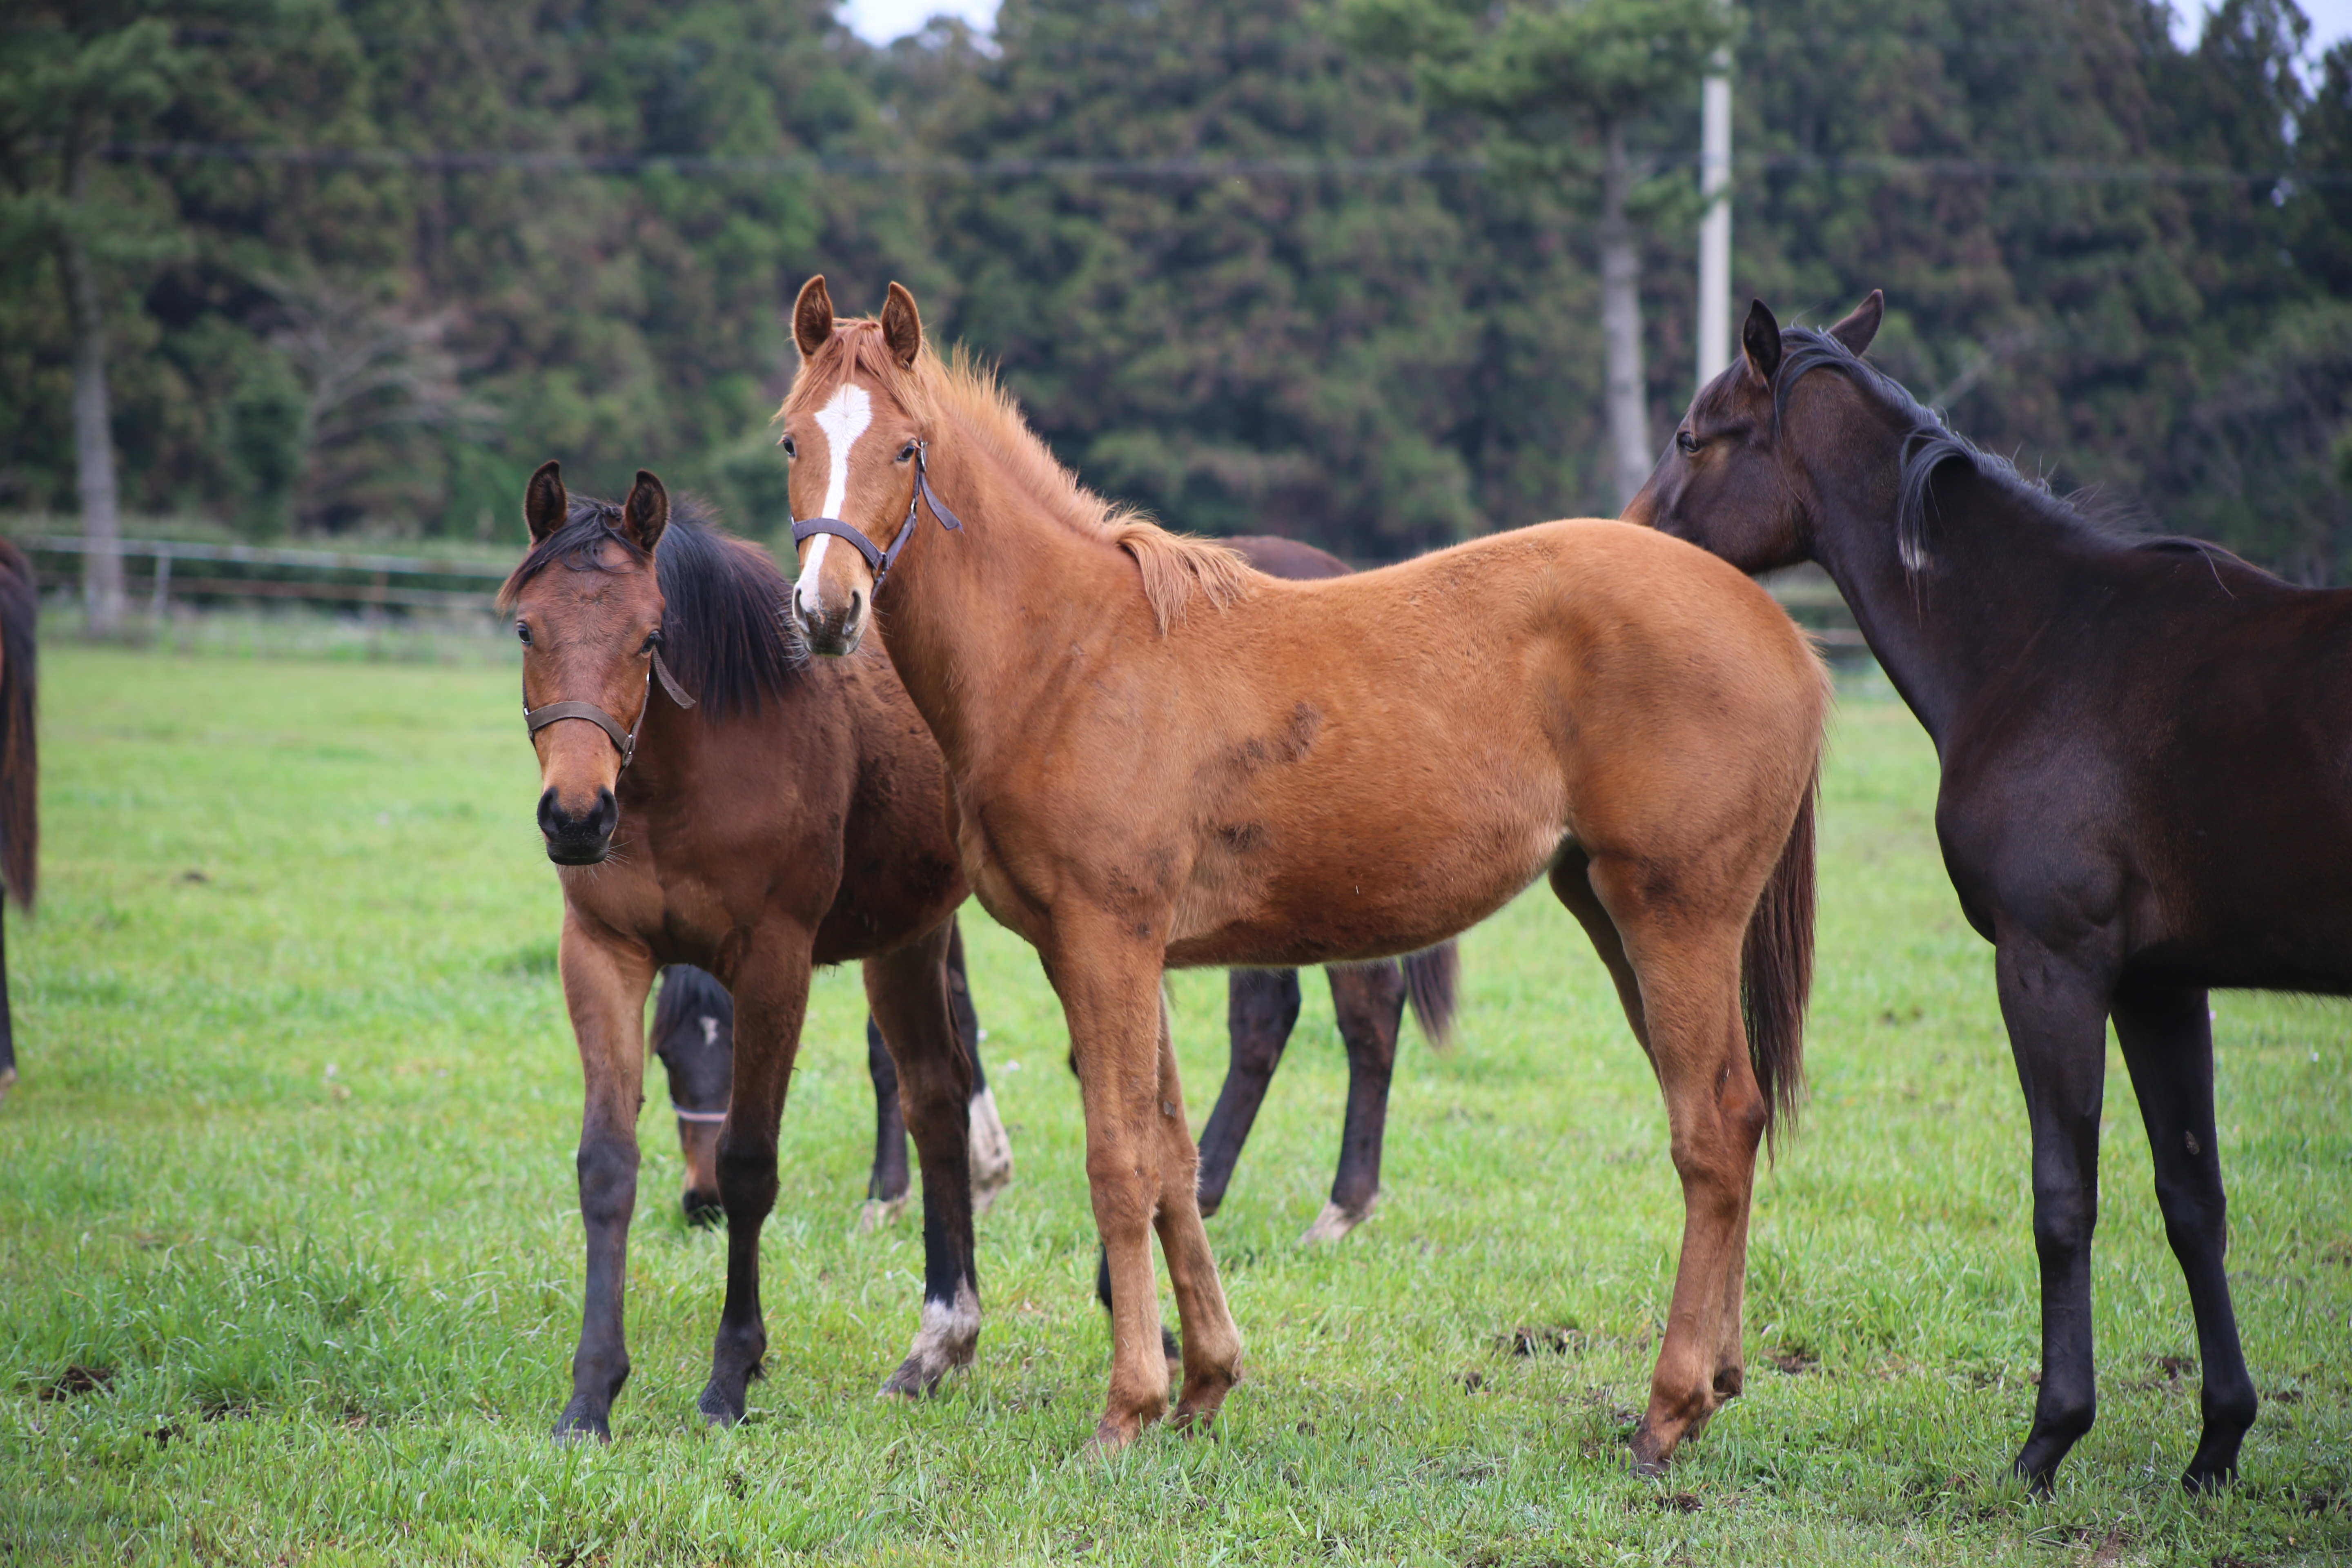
693 1036
711 798
1159 756
2145 747
20 818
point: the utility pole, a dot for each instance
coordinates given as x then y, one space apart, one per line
1715 225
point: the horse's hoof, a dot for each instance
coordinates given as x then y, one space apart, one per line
580 1425
1335 1221
2204 1481
875 1213
1649 1454
719 1407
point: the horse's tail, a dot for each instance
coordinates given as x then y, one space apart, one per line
20 816
1430 979
1777 972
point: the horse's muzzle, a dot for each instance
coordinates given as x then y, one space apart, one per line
831 632
581 840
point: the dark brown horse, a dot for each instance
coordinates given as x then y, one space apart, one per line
711 798
2145 745
20 820
1159 756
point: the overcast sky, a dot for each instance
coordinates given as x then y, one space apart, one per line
880 21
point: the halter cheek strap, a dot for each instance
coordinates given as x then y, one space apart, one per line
623 741
879 562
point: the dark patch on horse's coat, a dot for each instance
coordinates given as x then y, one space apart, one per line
1306 723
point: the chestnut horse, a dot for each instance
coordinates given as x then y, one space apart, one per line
20 822
2144 754
711 798
1159 756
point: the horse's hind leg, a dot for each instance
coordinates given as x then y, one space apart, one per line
770 986
887 1189
1261 1009
1369 1000
604 987
908 993
1683 974
2168 1041
991 1149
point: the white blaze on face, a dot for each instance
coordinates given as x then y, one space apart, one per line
843 419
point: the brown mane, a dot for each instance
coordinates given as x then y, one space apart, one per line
1175 566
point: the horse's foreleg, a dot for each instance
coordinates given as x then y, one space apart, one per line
907 991
1369 1000
1261 1008
2168 1041
7 1025
1212 1346
991 1149
770 988
2057 1013
1110 986
605 980
888 1189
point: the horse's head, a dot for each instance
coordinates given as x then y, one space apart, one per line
588 608
854 427
1726 483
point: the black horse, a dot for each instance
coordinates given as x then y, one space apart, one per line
2147 753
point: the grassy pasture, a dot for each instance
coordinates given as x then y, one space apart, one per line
290 1257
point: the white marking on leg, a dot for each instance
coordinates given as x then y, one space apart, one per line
991 1151
949 1338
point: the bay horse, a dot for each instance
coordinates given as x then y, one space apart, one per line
2144 752
1159 756
20 819
711 797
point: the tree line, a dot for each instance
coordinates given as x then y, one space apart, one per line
1357 271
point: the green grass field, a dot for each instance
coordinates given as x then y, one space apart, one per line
289 1256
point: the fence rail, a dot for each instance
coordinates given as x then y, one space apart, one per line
320 576
1806 593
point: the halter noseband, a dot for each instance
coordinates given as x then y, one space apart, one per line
879 562
625 740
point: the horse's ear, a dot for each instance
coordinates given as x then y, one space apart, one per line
646 512
902 325
812 317
1760 343
544 503
1856 331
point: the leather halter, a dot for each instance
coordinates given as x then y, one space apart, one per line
879 562
625 740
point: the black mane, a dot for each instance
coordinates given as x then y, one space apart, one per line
724 632
1928 442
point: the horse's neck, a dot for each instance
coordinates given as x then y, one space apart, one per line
1985 594
985 616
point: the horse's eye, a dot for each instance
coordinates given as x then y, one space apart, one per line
790 451
907 451
1686 441
653 641
522 630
